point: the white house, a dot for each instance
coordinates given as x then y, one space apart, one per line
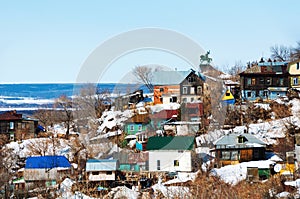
170 154
101 170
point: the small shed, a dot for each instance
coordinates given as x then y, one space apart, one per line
101 169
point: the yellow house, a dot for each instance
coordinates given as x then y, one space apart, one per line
294 74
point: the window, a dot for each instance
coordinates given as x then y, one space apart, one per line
248 81
295 81
108 172
184 100
192 99
184 90
249 94
11 125
140 128
173 99
176 163
255 154
281 81
192 90
131 127
158 165
253 81
191 79
95 173
298 67
225 155
234 155
161 90
269 81
241 139
261 81
199 90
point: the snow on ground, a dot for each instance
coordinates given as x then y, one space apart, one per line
295 106
111 119
123 192
182 177
66 188
265 131
233 174
175 191
44 145
171 191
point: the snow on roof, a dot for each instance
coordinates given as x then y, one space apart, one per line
225 76
169 106
111 119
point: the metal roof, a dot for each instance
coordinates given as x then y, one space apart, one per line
47 162
169 77
170 143
101 165
231 140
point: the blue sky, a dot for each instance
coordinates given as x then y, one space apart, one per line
48 41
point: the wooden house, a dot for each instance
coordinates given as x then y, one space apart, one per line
17 127
235 148
192 111
177 86
264 80
129 100
294 74
137 124
101 169
133 162
170 154
158 119
46 170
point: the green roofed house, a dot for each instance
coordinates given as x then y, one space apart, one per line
170 154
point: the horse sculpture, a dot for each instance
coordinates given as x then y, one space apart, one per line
205 57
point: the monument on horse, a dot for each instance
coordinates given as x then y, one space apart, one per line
205 58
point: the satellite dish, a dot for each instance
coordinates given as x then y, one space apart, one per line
277 168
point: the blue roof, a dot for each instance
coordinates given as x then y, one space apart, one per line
46 162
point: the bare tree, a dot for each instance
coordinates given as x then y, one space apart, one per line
280 53
92 101
46 117
66 114
295 54
8 162
144 74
